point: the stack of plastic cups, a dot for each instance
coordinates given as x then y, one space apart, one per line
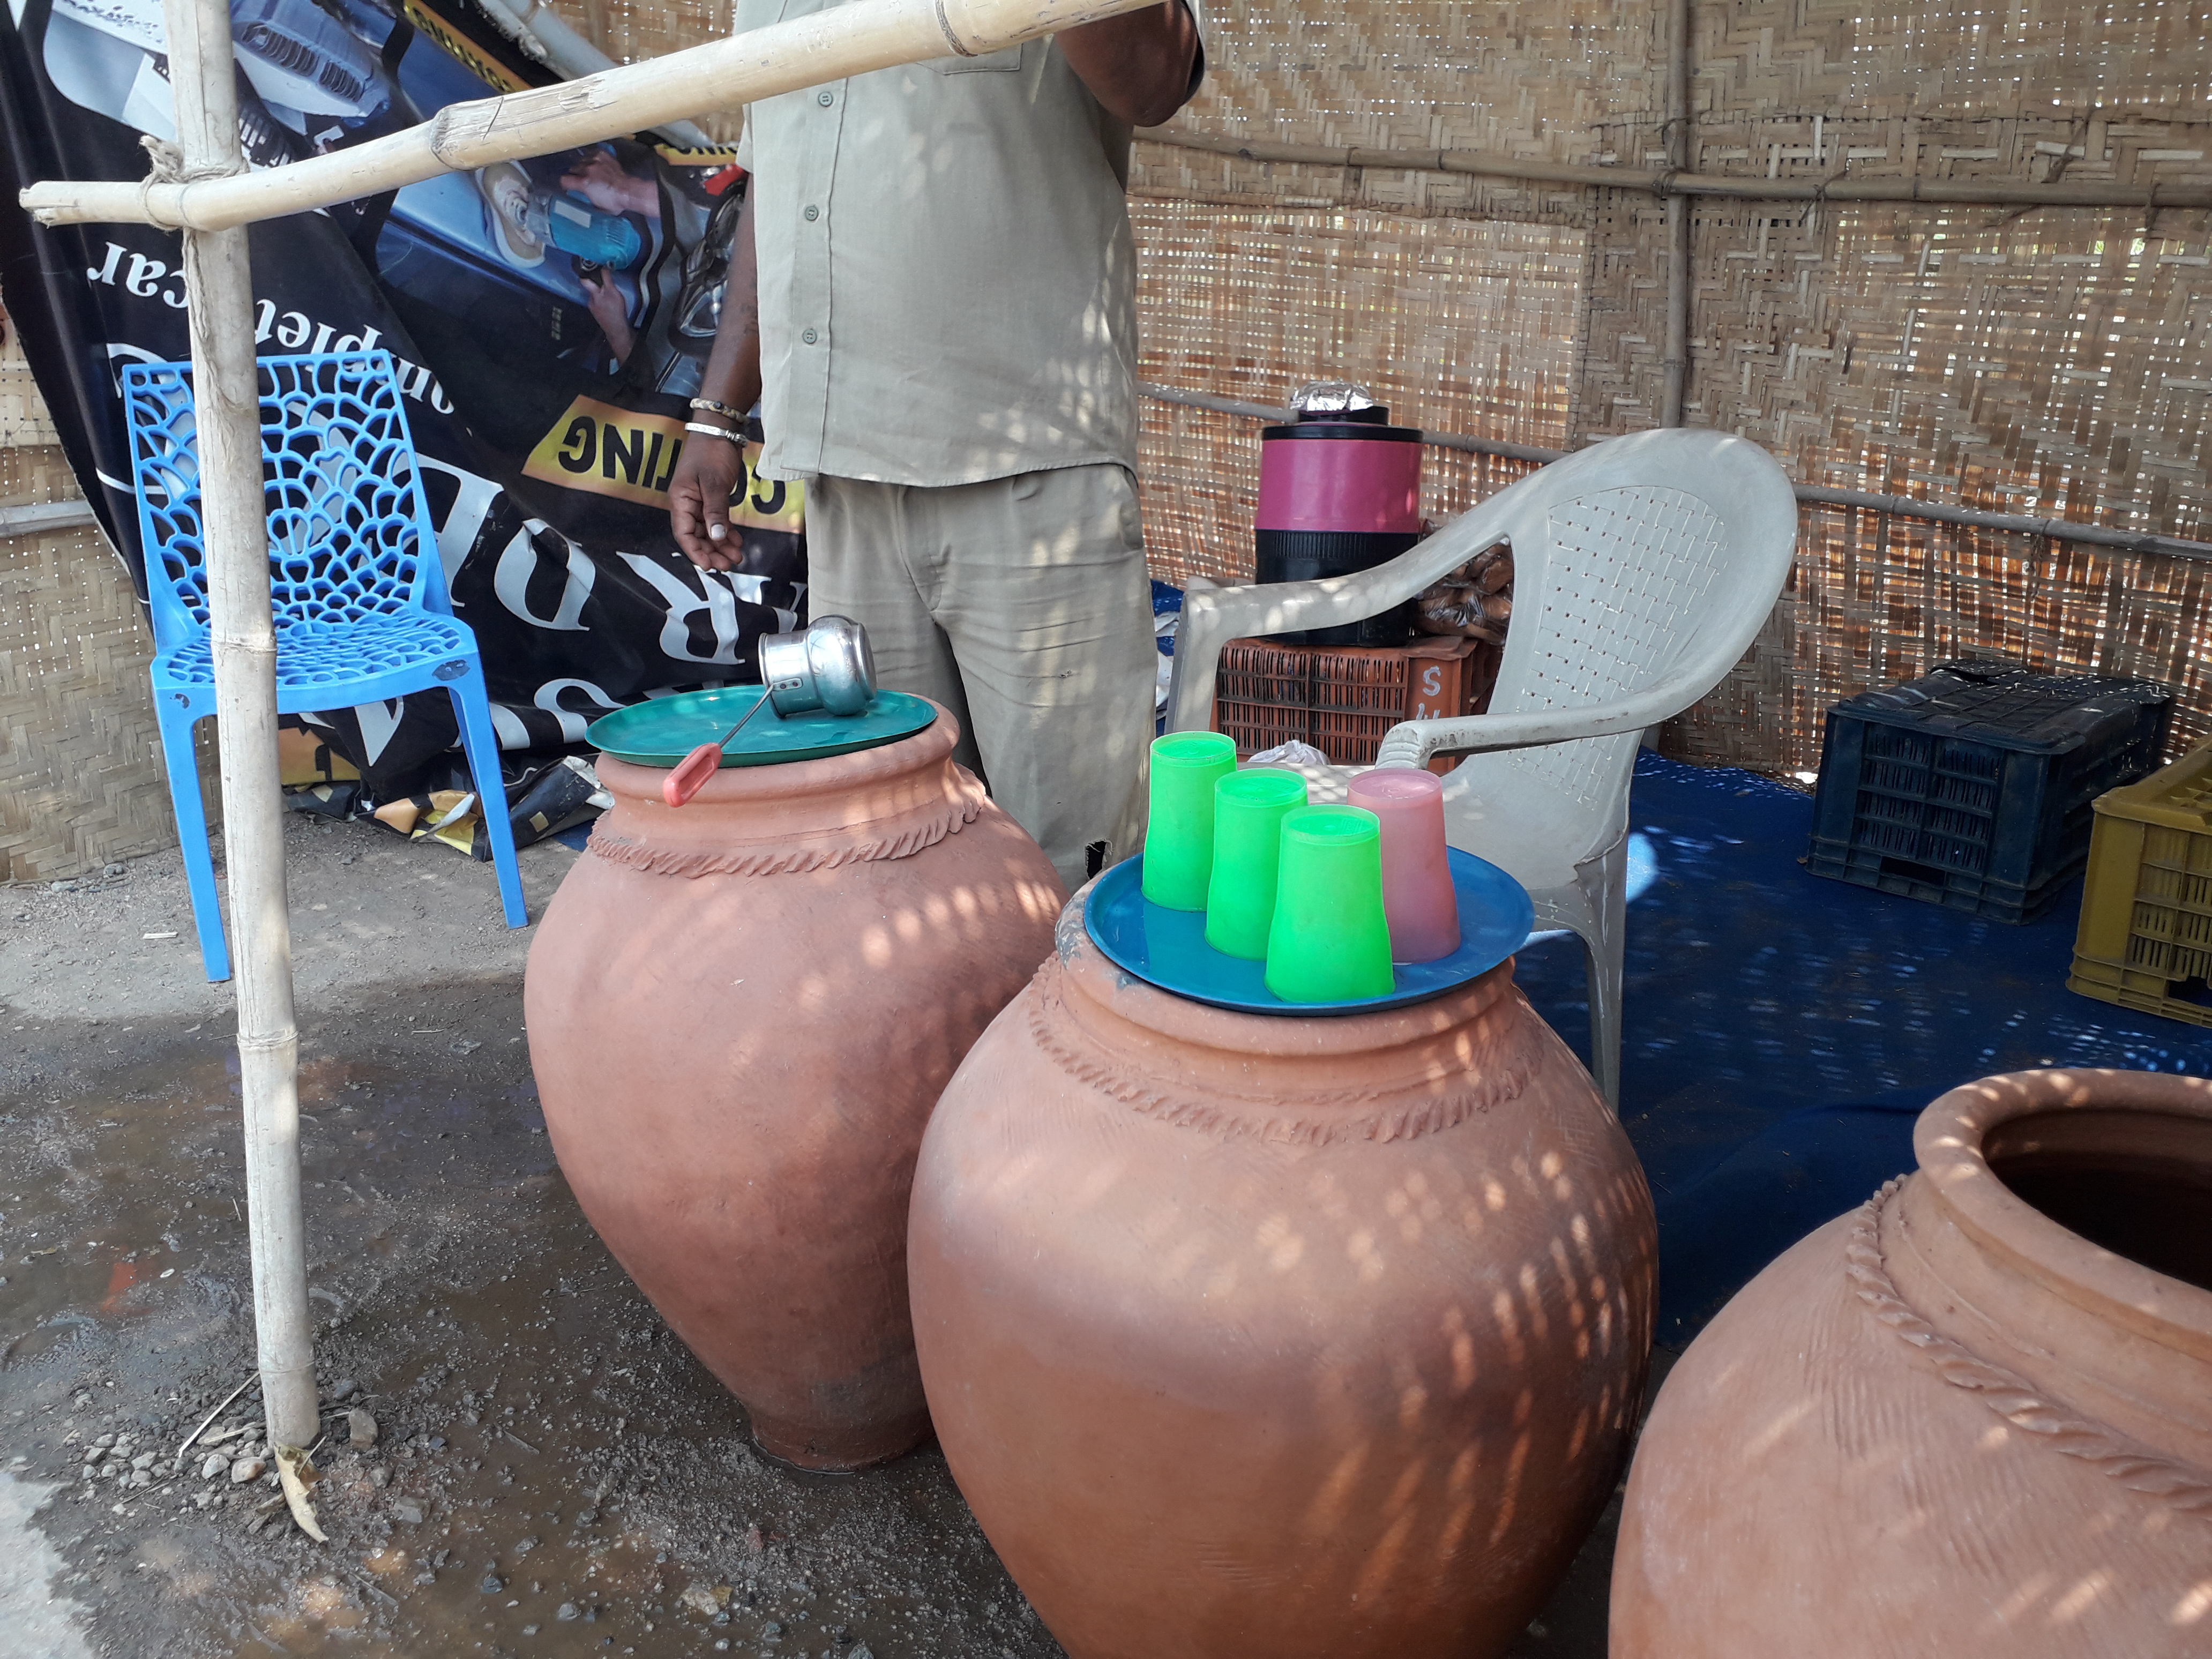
1329 941
1179 837
1248 809
1417 897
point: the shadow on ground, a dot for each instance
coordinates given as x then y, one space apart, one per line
552 1474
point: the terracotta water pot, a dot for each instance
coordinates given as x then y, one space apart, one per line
1250 1335
740 1013
1972 1419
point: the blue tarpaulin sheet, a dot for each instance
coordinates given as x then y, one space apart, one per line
1781 1031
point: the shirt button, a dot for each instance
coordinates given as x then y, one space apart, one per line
808 337
812 213
825 99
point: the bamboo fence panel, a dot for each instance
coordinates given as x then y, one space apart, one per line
81 783
80 777
629 31
1458 325
2051 362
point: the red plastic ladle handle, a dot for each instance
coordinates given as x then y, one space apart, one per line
702 763
691 774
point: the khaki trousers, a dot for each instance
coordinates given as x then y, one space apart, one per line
1023 605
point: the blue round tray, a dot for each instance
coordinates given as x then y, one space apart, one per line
662 731
1168 948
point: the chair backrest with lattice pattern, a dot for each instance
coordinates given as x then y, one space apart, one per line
349 525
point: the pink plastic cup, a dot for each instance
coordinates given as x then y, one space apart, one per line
1417 899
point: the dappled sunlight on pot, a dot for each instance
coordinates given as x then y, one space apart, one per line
1327 1332
740 1014
1972 1418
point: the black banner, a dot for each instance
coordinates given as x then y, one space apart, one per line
550 318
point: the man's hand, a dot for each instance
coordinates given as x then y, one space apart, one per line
1137 64
709 469
699 492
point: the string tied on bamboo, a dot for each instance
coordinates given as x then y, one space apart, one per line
169 168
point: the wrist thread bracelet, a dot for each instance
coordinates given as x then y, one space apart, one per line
722 432
714 408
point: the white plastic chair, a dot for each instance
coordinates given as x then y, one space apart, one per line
1643 568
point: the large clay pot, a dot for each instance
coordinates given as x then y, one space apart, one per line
1972 1419
1251 1335
740 1014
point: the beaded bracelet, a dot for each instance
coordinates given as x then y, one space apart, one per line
714 408
721 432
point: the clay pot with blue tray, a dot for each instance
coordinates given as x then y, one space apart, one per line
1327 1327
740 1014
1168 948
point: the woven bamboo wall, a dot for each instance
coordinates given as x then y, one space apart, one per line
2051 362
81 778
1462 302
1459 324
627 30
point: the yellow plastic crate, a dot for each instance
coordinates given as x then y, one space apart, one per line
2145 940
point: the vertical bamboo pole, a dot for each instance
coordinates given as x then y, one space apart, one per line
1675 364
219 287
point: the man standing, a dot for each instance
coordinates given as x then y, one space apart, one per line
932 291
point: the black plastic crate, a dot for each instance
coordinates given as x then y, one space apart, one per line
1972 787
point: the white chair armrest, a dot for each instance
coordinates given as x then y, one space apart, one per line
1213 617
1414 742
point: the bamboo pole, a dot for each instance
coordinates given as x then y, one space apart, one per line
1895 506
1667 182
2057 530
827 46
1674 363
226 412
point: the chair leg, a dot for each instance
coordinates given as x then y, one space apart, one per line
1604 882
481 743
176 722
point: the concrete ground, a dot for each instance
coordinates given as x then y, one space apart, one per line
551 1471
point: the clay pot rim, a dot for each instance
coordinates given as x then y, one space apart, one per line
740 786
1120 995
1948 1141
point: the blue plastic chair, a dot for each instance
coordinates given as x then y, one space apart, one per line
361 610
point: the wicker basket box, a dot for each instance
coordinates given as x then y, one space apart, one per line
1343 699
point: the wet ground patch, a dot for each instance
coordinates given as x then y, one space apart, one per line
551 1473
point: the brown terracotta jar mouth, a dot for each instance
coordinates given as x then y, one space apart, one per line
2096 1185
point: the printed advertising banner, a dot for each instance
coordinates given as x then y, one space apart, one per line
549 318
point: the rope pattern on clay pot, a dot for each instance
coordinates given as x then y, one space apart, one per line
779 860
2006 1393
1319 1119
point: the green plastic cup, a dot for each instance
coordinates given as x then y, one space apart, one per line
1329 941
1248 809
1179 836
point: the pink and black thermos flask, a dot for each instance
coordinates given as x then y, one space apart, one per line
1340 491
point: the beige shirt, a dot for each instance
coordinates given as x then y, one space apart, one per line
947 278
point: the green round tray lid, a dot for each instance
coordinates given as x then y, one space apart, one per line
662 731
